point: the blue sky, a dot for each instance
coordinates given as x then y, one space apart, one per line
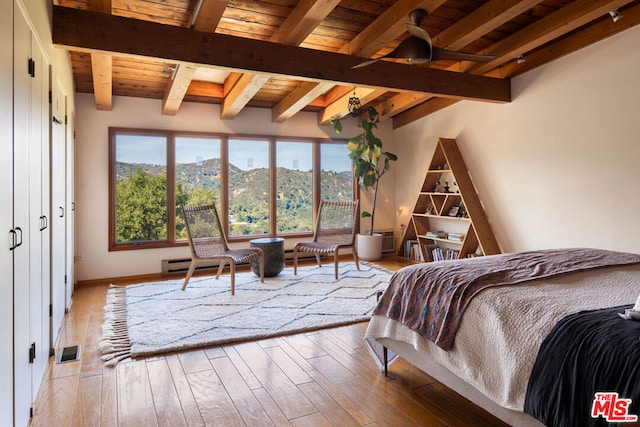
243 153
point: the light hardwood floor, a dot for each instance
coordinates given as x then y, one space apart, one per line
321 378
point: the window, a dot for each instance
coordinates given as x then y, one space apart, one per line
139 182
197 175
261 185
294 182
249 193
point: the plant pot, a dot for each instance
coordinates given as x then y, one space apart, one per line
369 247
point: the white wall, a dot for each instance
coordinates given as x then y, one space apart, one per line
557 167
94 259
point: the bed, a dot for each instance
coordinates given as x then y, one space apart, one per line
492 354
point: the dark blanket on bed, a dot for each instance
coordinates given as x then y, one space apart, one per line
430 298
586 353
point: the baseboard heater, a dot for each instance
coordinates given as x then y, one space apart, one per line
181 265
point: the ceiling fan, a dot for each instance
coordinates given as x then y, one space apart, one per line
418 49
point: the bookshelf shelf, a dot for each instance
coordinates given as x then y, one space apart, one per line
447 204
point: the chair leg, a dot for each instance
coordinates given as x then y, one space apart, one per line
355 257
335 262
232 267
318 259
192 268
220 268
295 260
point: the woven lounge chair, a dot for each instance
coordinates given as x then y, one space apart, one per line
335 230
208 242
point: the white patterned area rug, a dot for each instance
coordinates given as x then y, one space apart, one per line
155 318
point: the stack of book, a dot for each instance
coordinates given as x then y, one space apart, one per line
456 237
434 234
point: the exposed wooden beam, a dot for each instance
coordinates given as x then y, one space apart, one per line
102 66
340 107
574 42
246 87
174 94
399 103
207 14
87 31
552 26
296 27
484 19
424 109
297 99
101 70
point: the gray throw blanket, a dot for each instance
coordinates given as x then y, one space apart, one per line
430 298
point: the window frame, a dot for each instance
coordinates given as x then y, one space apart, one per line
224 138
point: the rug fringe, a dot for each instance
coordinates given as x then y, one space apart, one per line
114 342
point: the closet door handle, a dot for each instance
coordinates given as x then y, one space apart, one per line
61 212
15 233
44 222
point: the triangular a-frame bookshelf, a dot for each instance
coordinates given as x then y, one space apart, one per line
448 221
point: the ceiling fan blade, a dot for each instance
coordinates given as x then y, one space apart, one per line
412 49
453 55
419 32
365 63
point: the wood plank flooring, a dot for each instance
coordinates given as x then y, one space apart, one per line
320 378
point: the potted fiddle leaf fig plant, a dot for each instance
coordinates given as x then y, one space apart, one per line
371 163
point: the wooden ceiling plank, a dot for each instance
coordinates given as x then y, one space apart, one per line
101 69
103 6
83 30
340 108
208 14
174 94
552 26
481 21
296 27
205 89
296 100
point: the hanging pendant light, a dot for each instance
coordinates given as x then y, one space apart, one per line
354 105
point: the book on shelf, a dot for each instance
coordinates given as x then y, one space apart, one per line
444 255
412 250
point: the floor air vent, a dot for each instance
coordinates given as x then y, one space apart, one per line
69 354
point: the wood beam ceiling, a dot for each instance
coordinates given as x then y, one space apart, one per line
88 31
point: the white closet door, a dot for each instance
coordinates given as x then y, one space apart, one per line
58 211
21 289
6 213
